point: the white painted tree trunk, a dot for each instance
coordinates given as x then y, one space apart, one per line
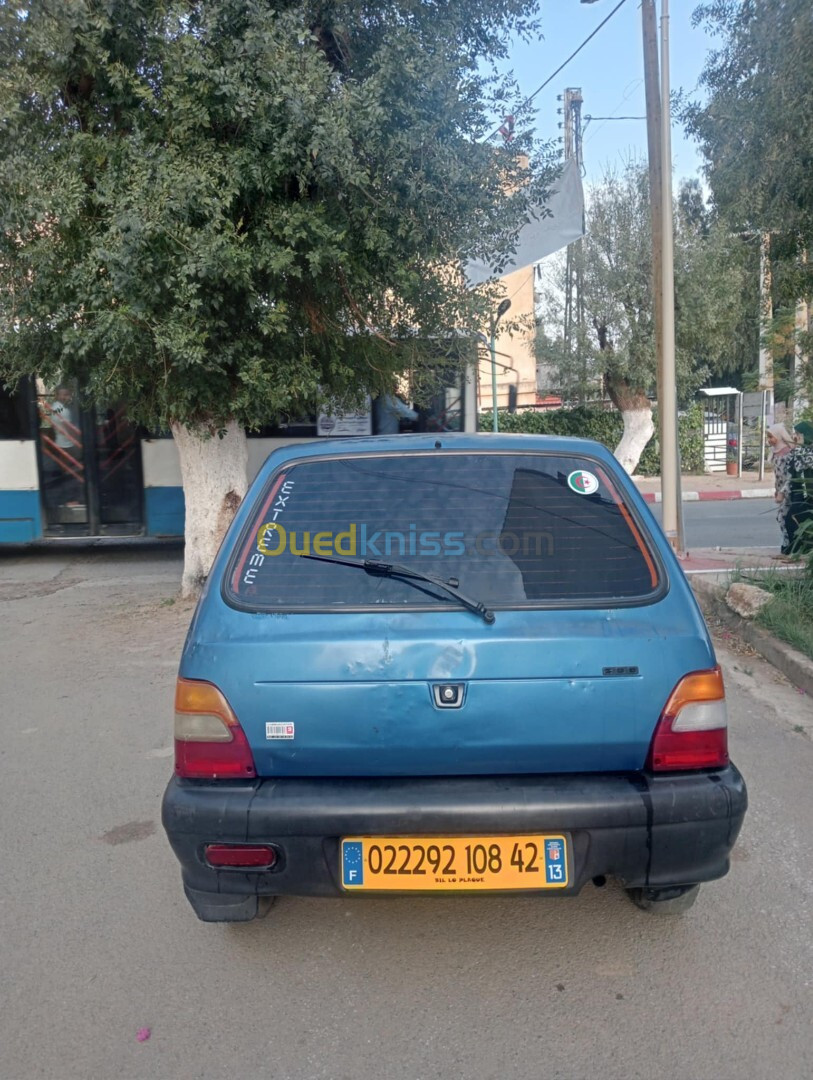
215 478
638 430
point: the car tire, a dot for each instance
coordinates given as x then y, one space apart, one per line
675 901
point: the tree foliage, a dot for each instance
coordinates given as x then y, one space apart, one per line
214 208
714 331
755 127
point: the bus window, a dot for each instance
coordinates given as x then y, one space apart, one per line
15 422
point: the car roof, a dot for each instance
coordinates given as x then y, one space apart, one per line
479 441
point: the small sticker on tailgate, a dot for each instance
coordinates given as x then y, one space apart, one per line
279 731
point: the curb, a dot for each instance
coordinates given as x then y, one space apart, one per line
794 665
713 496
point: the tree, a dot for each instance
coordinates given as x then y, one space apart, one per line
218 211
755 129
615 349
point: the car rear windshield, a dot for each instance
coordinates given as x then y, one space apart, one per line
529 529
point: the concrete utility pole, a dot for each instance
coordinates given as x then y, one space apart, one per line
667 407
573 123
653 137
659 139
574 266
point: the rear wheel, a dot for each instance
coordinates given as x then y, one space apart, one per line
674 901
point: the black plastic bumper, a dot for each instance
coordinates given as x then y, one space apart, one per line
643 830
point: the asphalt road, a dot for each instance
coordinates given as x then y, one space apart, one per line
729 523
97 941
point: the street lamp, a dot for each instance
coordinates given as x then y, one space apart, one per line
492 344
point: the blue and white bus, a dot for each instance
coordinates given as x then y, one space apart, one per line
69 468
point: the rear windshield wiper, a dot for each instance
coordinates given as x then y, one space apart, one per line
395 570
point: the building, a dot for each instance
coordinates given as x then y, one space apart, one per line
516 362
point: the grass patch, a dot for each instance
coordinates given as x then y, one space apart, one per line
789 615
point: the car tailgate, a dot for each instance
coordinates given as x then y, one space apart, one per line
541 691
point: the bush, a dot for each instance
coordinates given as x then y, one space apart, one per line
789 614
690 439
606 426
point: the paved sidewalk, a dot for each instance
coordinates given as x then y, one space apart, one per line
712 486
724 560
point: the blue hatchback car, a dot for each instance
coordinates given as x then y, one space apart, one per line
462 663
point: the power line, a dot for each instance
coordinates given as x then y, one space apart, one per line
562 66
589 117
629 90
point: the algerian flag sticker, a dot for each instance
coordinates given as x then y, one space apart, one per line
582 481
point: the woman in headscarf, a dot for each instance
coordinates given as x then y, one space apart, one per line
782 443
805 429
800 467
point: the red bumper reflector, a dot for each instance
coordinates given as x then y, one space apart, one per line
257 857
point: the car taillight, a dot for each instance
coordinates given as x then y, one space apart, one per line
209 742
692 732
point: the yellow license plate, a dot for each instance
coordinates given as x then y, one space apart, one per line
461 863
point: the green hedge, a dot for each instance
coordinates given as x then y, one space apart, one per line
606 426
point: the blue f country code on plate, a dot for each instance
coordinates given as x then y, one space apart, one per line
352 863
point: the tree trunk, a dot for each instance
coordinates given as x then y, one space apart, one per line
214 473
638 427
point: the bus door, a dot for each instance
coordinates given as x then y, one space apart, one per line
90 466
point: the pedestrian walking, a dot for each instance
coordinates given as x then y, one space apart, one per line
782 443
800 467
805 429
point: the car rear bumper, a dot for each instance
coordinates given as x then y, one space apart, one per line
646 831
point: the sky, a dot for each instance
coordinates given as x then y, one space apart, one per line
609 71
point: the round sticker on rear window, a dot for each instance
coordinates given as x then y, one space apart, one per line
582 481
